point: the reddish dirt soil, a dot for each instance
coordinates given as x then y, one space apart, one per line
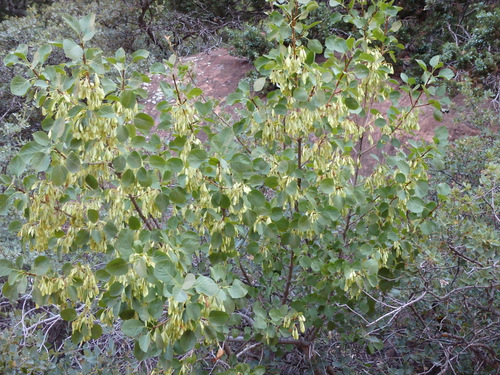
218 73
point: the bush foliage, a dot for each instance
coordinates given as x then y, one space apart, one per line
266 241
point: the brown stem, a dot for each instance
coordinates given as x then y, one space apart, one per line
348 222
289 278
59 152
58 209
139 211
244 272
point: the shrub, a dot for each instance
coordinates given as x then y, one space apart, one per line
251 42
267 235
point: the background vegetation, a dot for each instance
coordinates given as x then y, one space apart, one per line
437 314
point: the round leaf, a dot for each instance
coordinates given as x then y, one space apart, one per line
59 175
132 327
206 286
69 314
415 205
19 86
117 267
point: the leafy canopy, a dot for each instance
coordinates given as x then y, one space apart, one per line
258 233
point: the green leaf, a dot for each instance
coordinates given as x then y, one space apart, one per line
19 86
134 160
190 242
443 189
277 314
93 215
438 115
73 162
72 50
327 186
41 138
96 331
280 109
144 177
315 46
5 267
69 314
87 27
196 157
41 265
120 55
128 99
110 230
57 129
106 111
5 202
218 317
259 84
127 178
186 342
175 164
441 133
371 266
396 26
203 108
336 44
222 141
134 223
91 181
40 161
72 22
238 289
140 55
162 202
194 93
241 163
361 71
125 242
379 34
206 286
119 163
144 342
133 327
16 166
143 122
179 294
122 133
82 237
422 64
58 175
193 311
157 162
434 61
446 73
178 195
117 267
300 94
380 122
256 198
166 271
189 281
415 205
351 103
157 68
